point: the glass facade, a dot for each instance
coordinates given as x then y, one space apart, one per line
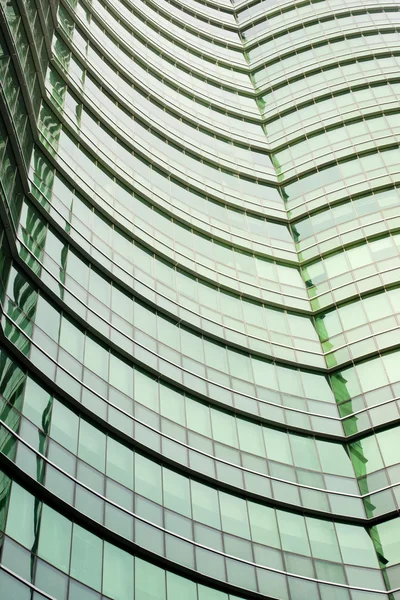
199 300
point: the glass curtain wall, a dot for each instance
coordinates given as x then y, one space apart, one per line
199 300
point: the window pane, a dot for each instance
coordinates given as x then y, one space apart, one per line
205 505
21 516
234 515
86 559
264 529
118 573
293 533
179 587
92 445
148 479
55 538
64 426
149 581
176 492
120 462
121 375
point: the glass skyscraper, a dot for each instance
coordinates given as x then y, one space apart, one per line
200 299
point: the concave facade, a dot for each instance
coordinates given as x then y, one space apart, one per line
200 295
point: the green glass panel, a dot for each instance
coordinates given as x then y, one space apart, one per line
176 492
96 358
389 538
146 390
121 375
55 538
356 546
72 339
23 516
206 593
234 515
293 533
12 589
148 479
37 404
92 445
86 557
64 426
179 587
323 540
205 504
119 463
117 573
5 487
264 528
149 581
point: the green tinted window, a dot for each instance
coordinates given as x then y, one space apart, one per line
118 573
149 581
55 538
86 558
21 516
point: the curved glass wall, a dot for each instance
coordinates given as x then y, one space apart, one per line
199 292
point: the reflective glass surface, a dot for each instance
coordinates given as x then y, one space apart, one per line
199 300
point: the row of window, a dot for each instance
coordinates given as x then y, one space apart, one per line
363 161
227 315
262 284
337 220
213 212
111 76
283 158
338 78
294 12
179 99
246 366
289 456
93 33
206 432
201 356
95 563
300 486
221 47
163 151
363 262
219 390
337 143
180 132
94 391
372 406
241 471
330 110
186 19
169 533
190 170
204 10
255 271
311 31
217 510
211 430
65 548
151 44
354 175
339 210
346 325
323 56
